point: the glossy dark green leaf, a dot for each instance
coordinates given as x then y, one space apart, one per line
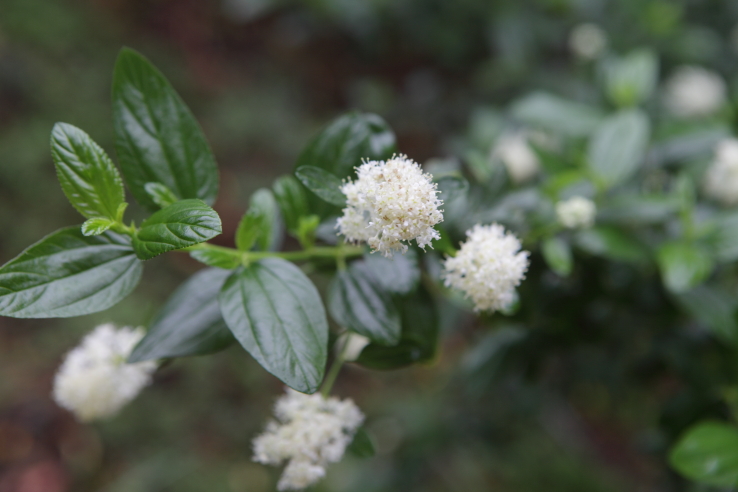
216 258
291 200
618 146
190 322
708 453
713 307
451 188
556 114
177 226
87 175
157 138
683 265
96 226
611 243
68 274
399 274
418 340
357 302
362 446
324 184
276 313
557 254
160 194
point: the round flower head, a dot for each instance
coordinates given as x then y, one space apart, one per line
520 161
587 41
576 212
693 92
310 432
488 267
721 179
94 380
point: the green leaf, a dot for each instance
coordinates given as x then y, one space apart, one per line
556 114
68 274
618 146
216 258
418 341
263 220
557 254
632 208
190 322
683 265
361 305
362 446
611 243
713 307
177 226
95 227
708 453
276 313
632 79
398 275
291 200
87 175
724 239
157 138
160 194
451 188
324 184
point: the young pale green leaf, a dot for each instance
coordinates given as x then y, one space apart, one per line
362 446
324 184
160 194
94 227
291 200
683 265
618 146
87 175
418 340
632 79
556 114
157 138
264 221
451 188
713 307
708 453
216 258
361 305
557 254
190 322
68 274
177 226
276 313
398 275
249 229
612 243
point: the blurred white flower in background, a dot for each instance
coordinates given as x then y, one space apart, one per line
487 267
587 41
519 159
693 92
310 431
576 212
94 380
721 178
390 202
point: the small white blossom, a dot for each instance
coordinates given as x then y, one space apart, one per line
693 92
721 179
576 212
487 267
310 432
520 161
390 202
351 344
94 380
587 41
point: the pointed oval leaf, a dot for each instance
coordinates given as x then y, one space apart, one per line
276 313
557 114
94 227
683 265
324 184
261 226
361 305
216 258
292 201
86 174
398 275
190 322
160 194
618 146
157 137
708 453
68 274
177 226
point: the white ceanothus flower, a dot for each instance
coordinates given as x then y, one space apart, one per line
310 432
519 159
587 41
94 380
721 178
693 92
390 202
487 267
576 212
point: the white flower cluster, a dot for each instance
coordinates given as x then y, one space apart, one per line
693 92
310 432
520 161
94 380
390 202
487 267
576 212
587 41
721 179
